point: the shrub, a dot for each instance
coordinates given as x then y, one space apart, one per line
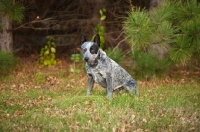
147 65
48 53
7 62
116 55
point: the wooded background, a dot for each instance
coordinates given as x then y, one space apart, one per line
65 20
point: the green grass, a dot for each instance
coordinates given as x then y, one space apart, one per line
63 106
164 108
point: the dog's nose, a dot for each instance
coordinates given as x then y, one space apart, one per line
86 59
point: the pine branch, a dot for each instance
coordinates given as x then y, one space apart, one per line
13 10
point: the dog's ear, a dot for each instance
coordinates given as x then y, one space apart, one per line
97 40
83 39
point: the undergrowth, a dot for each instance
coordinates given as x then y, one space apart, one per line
7 62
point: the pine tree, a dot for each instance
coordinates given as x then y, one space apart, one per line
9 11
172 26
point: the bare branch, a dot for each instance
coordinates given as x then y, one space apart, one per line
30 24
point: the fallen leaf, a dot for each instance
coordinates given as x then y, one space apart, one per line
18 113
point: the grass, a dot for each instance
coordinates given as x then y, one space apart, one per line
52 99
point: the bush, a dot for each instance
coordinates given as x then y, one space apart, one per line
147 65
48 53
7 62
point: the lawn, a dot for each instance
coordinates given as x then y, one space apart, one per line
53 99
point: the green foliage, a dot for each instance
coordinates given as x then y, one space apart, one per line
48 53
76 59
147 65
103 16
137 29
181 51
116 54
184 16
186 11
172 25
13 10
7 62
99 28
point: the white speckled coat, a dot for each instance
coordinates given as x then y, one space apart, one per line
103 70
106 65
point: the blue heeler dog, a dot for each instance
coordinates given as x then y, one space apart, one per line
103 70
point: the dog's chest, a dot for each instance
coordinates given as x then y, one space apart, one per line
99 75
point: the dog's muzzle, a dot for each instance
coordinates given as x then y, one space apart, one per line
86 59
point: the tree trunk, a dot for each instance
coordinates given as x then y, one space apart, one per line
6 37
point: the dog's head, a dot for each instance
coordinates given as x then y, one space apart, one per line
90 50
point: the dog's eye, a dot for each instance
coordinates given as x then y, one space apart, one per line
92 51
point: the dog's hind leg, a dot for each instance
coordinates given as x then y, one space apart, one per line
90 84
131 87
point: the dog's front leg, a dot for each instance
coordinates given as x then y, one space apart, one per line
109 89
90 84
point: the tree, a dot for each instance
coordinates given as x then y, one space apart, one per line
9 11
172 26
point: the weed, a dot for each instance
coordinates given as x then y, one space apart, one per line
76 59
100 28
48 53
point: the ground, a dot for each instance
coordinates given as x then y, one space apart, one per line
35 98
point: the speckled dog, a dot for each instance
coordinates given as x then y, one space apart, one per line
103 70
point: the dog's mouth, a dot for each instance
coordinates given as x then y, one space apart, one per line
93 63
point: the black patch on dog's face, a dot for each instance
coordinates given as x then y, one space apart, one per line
94 49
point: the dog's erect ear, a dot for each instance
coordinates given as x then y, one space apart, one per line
83 39
97 40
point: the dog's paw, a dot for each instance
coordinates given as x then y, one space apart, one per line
88 94
134 92
109 95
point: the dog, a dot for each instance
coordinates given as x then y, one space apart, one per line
103 70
